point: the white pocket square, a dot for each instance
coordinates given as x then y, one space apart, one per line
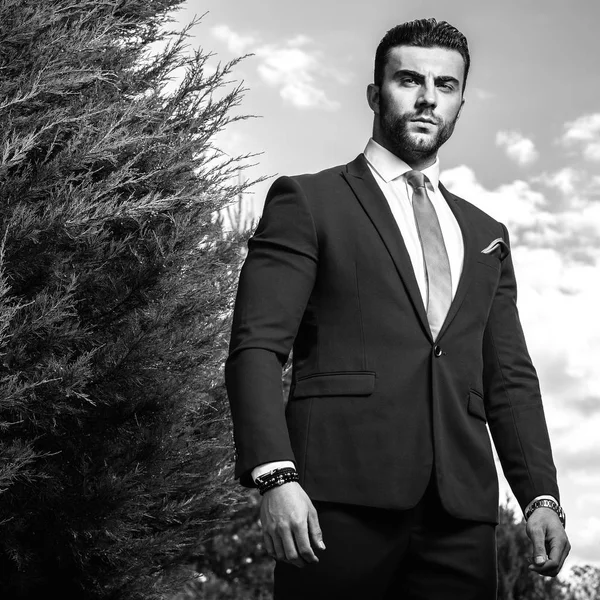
497 243
497 248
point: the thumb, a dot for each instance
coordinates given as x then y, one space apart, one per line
314 529
538 539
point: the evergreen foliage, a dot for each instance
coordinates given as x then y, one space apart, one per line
234 564
585 582
115 284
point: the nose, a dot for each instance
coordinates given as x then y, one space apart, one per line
428 95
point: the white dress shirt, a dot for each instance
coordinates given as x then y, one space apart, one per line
388 171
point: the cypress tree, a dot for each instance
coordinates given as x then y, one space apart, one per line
116 281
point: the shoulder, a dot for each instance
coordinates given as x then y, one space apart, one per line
325 197
310 182
320 180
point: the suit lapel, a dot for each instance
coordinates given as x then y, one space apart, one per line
470 257
374 203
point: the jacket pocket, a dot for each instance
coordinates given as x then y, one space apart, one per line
475 405
340 383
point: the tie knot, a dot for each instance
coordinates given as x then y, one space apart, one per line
415 179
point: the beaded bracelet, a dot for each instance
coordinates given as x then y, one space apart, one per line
275 478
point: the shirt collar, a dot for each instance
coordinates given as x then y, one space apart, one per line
389 166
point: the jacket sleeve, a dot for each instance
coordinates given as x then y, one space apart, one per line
514 404
275 284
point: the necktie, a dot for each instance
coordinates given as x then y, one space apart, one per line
437 266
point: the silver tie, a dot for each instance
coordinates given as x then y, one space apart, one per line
437 265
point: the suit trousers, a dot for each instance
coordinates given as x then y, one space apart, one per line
422 553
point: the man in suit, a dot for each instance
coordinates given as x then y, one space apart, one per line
399 301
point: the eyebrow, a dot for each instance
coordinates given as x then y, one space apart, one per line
420 77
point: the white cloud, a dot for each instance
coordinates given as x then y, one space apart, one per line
584 134
517 147
295 67
537 217
236 43
590 535
565 180
515 204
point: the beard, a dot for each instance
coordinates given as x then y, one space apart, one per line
413 146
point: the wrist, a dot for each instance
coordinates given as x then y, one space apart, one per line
276 478
267 467
546 503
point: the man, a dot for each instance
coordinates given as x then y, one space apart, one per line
399 300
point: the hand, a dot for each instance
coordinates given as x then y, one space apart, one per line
290 525
550 543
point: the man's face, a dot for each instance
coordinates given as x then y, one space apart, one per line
419 100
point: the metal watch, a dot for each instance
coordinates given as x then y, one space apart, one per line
546 503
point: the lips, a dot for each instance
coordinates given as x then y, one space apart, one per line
428 121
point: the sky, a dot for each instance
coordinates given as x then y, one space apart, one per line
526 150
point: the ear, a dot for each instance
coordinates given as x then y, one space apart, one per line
373 97
462 103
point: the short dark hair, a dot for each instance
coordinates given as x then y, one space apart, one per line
427 33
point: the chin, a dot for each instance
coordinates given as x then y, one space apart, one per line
421 142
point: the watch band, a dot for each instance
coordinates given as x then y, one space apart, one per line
545 503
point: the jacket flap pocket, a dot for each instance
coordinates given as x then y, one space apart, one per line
345 383
475 405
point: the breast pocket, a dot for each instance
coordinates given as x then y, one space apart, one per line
340 383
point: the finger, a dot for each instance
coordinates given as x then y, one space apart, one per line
278 545
548 569
558 551
314 530
289 546
300 531
269 547
554 550
565 549
537 536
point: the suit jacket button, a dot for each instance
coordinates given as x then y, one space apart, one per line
437 351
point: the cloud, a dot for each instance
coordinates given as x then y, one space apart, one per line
516 204
588 538
583 134
566 180
541 213
295 67
236 43
517 147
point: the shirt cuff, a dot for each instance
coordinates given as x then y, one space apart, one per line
266 467
540 498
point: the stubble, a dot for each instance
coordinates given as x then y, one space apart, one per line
411 146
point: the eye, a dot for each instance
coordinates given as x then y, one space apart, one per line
409 81
446 86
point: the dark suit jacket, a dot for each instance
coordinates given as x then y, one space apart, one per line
375 404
